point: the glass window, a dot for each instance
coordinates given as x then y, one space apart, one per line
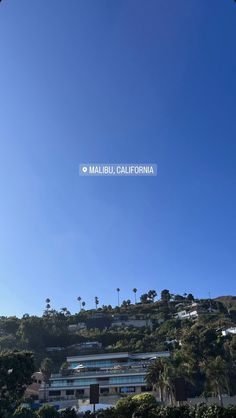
104 391
127 390
126 379
54 393
70 392
80 392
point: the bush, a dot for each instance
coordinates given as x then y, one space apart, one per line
23 412
126 406
47 411
68 413
138 405
142 406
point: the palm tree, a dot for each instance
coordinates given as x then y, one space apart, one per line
152 294
64 310
135 291
154 376
46 369
83 304
48 306
217 375
118 294
96 301
48 301
79 300
163 374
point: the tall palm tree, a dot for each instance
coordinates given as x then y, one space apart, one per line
217 376
162 374
118 294
48 306
83 304
135 291
64 310
79 300
152 294
96 301
46 368
154 377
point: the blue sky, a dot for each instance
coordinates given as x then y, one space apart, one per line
116 81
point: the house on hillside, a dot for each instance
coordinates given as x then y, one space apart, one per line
136 323
87 345
77 327
116 374
32 391
186 315
54 349
229 331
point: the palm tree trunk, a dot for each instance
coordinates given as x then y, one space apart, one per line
161 393
219 395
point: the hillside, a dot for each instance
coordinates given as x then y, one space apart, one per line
145 326
228 301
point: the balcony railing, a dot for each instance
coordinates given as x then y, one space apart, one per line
101 373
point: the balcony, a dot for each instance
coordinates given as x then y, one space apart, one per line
101 373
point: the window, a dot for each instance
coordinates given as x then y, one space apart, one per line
70 392
127 390
54 393
80 392
126 380
146 389
104 391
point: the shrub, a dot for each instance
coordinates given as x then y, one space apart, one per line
68 413
139 405
47 411
23 412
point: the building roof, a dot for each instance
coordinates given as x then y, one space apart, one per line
122 355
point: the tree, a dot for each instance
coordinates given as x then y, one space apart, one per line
154 376
83 304
126 303
32 333
152 294
48 305
135 291
136 404
163 373
165 295
79 300
144 298
46 369
118 295
68 413
96 302
24 412
64 368
65 311
10 325
190 297
48 411
16 369
216 373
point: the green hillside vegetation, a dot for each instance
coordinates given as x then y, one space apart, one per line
194 339
190 329
167 331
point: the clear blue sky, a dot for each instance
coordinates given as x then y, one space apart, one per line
116 81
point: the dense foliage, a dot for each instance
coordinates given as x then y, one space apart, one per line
16 368
141 406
